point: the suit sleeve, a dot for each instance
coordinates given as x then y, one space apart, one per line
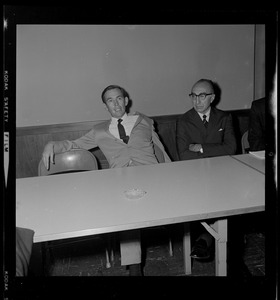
183 140
157 141
228 144
255 133
85 142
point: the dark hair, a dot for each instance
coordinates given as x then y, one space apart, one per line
112 87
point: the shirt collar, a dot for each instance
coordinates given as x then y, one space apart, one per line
207 114
115 120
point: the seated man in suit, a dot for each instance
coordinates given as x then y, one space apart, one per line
126 140
204 131
256 132
256 139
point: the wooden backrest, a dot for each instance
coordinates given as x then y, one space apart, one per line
30 141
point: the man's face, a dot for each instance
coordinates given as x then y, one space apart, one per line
199 104
115 103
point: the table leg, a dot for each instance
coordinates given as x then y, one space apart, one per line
220 226
187 249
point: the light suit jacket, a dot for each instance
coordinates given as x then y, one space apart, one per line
138 151
216 140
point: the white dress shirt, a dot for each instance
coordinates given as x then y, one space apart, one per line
207 115
128 123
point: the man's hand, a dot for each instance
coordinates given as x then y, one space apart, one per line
48 155
195 147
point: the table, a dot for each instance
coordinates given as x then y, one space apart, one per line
90 203
255 161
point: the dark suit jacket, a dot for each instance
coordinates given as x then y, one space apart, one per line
216 140
256 133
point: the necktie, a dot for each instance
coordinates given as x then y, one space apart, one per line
205 121
122 133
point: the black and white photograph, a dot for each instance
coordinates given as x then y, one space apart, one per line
140 153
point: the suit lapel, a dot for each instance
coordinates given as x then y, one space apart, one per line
197 120
138 120
212 119
104 128
105 125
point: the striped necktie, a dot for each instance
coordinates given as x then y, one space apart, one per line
205 121
122 133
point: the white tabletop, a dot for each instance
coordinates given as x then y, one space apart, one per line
255 160
79 204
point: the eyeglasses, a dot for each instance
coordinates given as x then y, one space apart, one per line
201 96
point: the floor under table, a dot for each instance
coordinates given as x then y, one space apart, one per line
87 258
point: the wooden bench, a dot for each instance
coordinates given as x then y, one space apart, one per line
30 141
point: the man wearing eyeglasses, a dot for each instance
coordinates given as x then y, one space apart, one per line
204 131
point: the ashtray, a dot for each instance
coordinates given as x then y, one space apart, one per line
134 194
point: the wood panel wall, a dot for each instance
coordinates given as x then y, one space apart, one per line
30 141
